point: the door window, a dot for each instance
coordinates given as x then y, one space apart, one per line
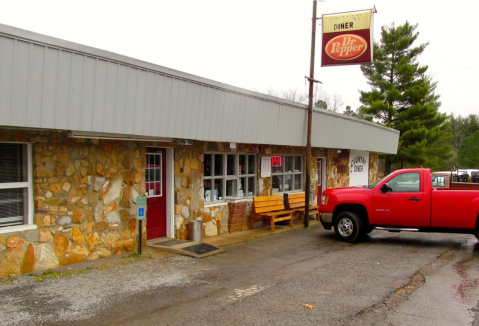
406 182
153 174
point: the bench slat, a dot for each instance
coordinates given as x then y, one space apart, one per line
296 201
270 208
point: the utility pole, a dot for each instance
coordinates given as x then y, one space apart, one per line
310 118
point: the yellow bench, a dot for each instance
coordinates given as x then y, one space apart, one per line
296 202
270 208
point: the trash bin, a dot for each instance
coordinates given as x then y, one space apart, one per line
195 231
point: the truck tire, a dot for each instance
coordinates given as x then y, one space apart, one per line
348 227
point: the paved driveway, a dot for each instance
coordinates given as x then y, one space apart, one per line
302 277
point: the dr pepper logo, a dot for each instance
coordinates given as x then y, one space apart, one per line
346 47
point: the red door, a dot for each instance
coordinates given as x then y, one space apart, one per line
155 176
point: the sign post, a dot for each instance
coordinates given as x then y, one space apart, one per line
310 119
140 216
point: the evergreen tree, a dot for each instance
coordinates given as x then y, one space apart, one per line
402 97
468 157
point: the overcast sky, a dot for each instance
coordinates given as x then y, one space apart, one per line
261 44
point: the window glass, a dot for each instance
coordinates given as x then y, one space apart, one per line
207 164
288 182
12 163
13 206
298 163
230 164
288 163
242 187
230 188
218 164
406 182
438 181
277 164
298 182
208 192
153 174
233 177
15 183
218 193
251 186
277 183
251 165
242 164
287 175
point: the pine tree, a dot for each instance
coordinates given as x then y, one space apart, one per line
468 157
402 97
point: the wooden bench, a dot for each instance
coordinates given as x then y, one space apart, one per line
296 203
270 208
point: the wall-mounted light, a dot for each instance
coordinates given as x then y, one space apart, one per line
110 136
185 142
338 151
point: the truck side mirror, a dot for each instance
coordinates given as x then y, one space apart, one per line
385 188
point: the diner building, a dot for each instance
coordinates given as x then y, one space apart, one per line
84 132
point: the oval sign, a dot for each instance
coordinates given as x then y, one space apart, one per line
346 47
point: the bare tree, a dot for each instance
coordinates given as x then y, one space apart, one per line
336 102
321 98
294 95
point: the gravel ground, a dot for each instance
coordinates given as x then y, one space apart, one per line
82 290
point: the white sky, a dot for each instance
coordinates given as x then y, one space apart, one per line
261 44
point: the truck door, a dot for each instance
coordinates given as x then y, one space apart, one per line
403 205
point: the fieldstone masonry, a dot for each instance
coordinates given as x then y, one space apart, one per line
83 202
85 189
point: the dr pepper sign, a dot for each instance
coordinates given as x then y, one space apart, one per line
347 38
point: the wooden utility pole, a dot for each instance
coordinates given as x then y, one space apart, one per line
309 155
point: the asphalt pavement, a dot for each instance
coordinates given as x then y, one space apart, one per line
291 277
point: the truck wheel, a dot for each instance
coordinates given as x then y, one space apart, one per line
347 227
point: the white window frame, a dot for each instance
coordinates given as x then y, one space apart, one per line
297 171
160 194
28 219
229 180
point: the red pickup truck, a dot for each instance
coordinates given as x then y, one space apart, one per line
404 200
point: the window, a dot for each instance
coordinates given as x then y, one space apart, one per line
153 174
228 176
438 181
406 182
16 203
287 173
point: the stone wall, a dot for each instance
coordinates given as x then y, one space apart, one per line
83 192
374 172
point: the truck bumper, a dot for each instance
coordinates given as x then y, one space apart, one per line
326 220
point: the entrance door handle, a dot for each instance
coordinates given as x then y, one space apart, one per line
414 199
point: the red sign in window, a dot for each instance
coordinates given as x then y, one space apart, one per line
275 160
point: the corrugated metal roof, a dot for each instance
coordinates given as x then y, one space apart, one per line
55 84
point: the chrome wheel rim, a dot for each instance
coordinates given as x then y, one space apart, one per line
345 227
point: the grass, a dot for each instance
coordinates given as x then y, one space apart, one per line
49 275
136 257
8 280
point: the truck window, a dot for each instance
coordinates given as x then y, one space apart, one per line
438 181
406 182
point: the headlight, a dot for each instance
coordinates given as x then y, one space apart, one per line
324 200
